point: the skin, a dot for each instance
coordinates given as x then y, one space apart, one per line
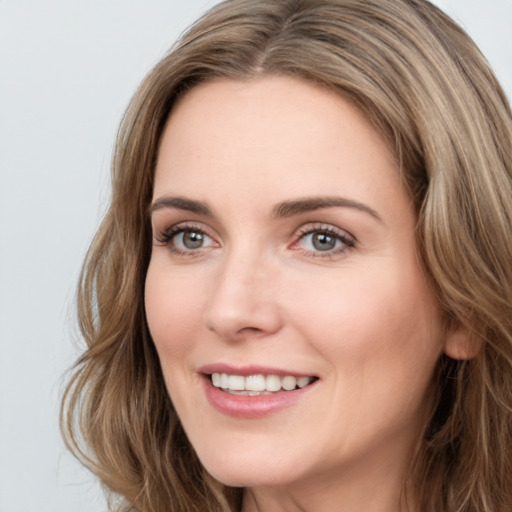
257 291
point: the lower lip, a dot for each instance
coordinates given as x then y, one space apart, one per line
243 406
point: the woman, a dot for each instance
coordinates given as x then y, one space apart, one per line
300 297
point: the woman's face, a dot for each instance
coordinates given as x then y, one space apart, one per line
284 256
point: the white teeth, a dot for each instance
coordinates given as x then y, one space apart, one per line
224 381
272 383
216 380
302 382
254 385
289 382
236 382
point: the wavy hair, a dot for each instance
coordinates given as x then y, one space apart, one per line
421 80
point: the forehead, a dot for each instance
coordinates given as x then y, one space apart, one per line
271 135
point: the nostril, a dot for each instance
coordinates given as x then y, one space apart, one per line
238 333
250 330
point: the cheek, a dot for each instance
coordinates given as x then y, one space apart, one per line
383 317
173 311
381 339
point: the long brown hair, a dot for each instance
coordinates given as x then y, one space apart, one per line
426 86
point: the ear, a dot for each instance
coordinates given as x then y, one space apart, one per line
460 342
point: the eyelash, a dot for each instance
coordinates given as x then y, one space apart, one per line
346 240
167 237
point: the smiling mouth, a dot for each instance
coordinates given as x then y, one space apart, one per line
257 385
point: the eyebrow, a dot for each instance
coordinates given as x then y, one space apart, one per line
284 209
298 206
181 203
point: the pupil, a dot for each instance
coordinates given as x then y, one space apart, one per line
192 240
323 242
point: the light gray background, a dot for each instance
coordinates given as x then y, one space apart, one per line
67 70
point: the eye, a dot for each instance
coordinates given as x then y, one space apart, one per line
321 241
190 240
324 241
184 239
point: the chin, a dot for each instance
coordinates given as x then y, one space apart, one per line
237 478
234 472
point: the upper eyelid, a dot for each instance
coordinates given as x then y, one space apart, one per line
301 231
167 236
163 223
187 225
348 241
170 231
325 227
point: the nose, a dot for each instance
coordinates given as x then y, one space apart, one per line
244 302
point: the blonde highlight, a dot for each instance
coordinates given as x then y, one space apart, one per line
429 90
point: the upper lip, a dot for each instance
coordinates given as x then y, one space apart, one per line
246 370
